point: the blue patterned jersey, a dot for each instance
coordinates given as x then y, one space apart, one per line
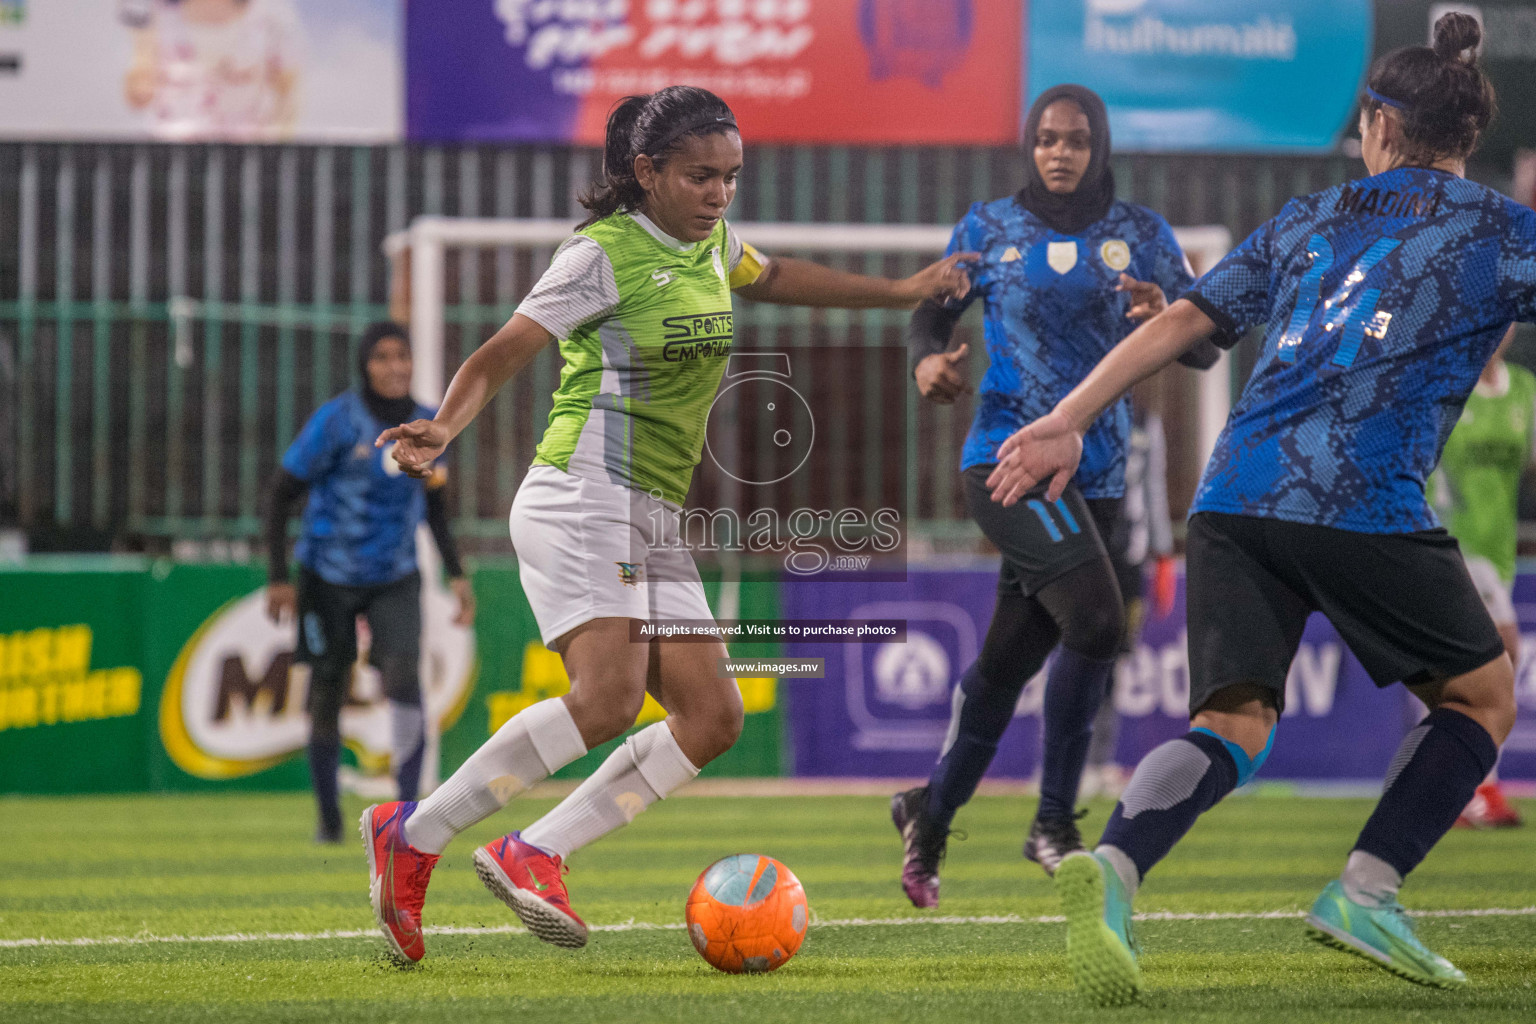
1382 299
361 517
1051 313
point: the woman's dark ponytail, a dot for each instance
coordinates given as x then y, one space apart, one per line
654 125
1445 100
617 189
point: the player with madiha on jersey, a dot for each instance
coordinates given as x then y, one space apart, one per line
1377 324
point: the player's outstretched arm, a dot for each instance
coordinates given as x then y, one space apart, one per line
1050 447
791 282
482 375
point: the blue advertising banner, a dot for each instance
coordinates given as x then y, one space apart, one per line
883 708
1213 75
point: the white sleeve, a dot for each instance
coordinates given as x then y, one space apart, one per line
734 250
578 287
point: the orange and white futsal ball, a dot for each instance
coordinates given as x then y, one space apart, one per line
747 914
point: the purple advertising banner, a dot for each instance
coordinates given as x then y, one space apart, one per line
883 708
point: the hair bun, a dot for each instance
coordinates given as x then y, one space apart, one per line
1457 36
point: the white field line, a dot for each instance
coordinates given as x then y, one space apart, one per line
648 926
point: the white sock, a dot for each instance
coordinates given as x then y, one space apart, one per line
1124 867
1369 881
407 725
532 743
648 767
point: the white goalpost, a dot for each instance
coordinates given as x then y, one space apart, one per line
430 239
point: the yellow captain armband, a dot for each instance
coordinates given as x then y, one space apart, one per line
437 478
749 269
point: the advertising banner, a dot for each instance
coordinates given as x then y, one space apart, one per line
1211 75
72 693
832 71
233 702
201 70
128 675
517 670
883 708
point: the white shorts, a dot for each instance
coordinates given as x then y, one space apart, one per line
1492 589
589 549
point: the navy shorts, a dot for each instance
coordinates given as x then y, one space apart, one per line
1403 602
1040 540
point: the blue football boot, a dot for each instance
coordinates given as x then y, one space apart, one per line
1382 935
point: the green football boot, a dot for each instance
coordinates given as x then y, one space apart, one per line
1100 947
1382 935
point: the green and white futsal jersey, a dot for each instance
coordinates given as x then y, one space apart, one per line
645 327
1476 487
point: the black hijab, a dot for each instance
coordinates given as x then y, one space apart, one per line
389 411
1071 212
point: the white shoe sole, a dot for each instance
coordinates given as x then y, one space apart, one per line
543 920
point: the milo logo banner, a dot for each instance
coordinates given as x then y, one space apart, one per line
130 674
834 71
125 674
234 702
883 708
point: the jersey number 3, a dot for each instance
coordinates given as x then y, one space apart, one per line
1362 317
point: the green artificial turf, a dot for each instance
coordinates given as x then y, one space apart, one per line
208 866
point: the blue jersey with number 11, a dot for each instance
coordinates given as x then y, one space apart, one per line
1382 299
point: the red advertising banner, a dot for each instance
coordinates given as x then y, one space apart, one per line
816 71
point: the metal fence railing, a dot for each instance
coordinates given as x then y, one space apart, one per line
169 315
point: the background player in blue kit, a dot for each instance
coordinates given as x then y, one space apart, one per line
1065 273
1382 300
357 556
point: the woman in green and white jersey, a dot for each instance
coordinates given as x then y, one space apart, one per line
640 301
1476 491
1476 487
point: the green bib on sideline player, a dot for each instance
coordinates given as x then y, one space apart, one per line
637 386
1477 485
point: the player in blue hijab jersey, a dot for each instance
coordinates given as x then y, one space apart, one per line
357 556
1381 300
1065 273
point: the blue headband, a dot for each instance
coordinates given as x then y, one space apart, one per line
1385 100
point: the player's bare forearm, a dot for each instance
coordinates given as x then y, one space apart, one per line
788 281
487 369
791 282
1146 350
